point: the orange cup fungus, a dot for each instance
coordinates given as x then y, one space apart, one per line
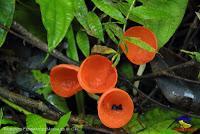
97 75
64 81
115 108
136 54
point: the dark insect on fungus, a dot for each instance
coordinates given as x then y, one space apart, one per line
117 107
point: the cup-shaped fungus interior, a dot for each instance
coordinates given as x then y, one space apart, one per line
136 54
64 81
96 74
115 108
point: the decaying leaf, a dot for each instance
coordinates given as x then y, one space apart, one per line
102 50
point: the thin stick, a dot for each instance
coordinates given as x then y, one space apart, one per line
139 73
31 103
25 101
190 32
162 72
181 78
150 95
158 103
127 16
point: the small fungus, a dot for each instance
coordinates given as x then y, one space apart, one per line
64 81
97 75
136 54
115 108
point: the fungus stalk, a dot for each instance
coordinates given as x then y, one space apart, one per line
93 96
139 73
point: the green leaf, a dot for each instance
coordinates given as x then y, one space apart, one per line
63 121
10 130
7 8
134 126
71 50
151 116
95 26
111 35
36 124
115 29
195 122
41 77
83 43
161 16
45 91
80 103
155 121
58 102
109 9
117 59
56 17
160 128
126 70
44 79
5 121
27 14
91 121
81 12
139 43
130 1
89 21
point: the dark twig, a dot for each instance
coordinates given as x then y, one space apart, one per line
192 27
31 103
157 102
30 38
39 97
28 102
163 72
181 78
150 95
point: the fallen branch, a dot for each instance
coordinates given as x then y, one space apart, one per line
164 72
27 102
24 111
33 40
12 99
34 104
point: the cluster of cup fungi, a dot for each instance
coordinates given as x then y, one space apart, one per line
97 75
